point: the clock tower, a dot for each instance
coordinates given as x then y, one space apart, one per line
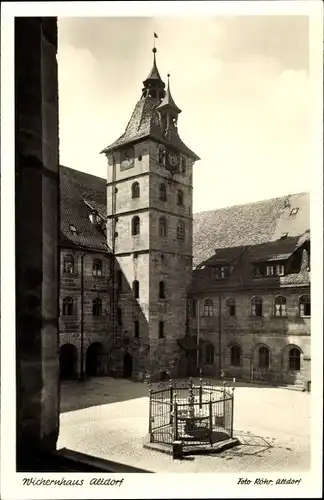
149 210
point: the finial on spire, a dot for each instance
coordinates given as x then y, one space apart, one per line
154 37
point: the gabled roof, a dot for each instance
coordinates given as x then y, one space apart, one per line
249 224
75 188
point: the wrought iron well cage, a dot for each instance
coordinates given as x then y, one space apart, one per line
197 413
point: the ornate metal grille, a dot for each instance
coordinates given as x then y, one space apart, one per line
196 413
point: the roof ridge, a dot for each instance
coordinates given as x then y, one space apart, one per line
63 167
251 203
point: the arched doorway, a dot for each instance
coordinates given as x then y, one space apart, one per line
128 365
68 362
93 359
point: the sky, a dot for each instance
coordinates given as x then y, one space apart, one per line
242 84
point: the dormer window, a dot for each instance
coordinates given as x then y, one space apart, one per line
275 270
294 211
221 272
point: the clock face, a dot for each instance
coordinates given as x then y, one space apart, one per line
173 160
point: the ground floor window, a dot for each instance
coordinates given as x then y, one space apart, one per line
235 355
210 352
264 357
294 359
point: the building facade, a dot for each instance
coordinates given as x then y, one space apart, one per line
85 277
146 286
251 300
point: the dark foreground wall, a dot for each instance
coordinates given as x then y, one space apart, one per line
37 209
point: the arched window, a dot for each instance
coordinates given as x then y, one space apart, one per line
136 329
179 197
304 305
208 307
67 306
136 224
68 264
97 307
183 165
294 359
256 306
235 355
161 329
230 307
136 289
135 190
264 357
161 290
163 226
210 352
97 267
280 306
181 231
162 190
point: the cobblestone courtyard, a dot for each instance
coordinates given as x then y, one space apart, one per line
108 418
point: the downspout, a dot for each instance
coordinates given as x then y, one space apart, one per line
198 331
82 320
113 249
220 329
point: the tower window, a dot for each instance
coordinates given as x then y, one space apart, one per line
304 305
161 290
119 317
161 329
67 306
97 307
135 190
256 306
181 231
136 224
280 308
162 190
136 329
183 165
230 307
163 226
136 289
68 264
120 280
97 267
180 197
294 359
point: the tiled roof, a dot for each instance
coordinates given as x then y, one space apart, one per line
249 224
144 123
242 273
77 191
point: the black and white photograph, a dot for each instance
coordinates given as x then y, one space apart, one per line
161 182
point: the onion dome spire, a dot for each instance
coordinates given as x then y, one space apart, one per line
153 85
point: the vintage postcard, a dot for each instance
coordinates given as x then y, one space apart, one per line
161 187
